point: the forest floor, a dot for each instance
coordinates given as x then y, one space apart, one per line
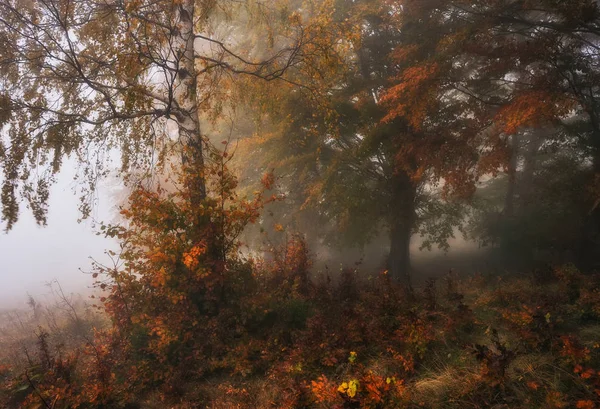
513 341
517 341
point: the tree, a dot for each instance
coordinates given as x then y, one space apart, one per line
354 167
82 78
549 206
502 69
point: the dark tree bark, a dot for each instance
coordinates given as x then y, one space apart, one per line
509 200
402 220
530 159
590 235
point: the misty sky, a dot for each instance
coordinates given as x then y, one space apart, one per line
31 255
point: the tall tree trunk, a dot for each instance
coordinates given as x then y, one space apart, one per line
402 220
530 157
507 232
595 142
509 200
185 96
590 236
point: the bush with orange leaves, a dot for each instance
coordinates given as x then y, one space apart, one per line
178 298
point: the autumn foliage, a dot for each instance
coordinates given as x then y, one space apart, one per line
194 324
393 117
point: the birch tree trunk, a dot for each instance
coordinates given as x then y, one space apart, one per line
186 98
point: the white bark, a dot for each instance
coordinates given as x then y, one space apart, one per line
185 95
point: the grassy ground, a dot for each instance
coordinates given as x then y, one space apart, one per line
520 341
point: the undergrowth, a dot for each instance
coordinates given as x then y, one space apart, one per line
285 340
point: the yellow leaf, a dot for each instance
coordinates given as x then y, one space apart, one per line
352 388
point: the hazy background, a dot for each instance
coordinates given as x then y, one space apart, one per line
31 255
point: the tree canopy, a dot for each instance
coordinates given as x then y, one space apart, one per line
83 78
382 117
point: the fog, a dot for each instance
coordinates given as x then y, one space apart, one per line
33 255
